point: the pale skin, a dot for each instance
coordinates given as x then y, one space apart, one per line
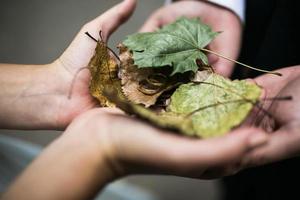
101 145
284 140
94 146
46 87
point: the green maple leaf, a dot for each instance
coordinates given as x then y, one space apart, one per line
205 109
178 45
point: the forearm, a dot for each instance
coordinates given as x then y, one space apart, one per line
28 95
72 167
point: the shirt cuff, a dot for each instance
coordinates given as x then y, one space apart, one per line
168 2
237 6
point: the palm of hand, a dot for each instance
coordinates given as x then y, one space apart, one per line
283 112
220 19
284 138
72 65
286 112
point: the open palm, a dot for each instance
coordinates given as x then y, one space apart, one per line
71 66
284 138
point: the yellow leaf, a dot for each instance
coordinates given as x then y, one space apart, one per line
104 73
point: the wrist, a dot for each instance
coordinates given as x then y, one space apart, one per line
93 131
28 96
74 166
51 87
61 86
93 155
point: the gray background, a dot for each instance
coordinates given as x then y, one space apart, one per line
38 31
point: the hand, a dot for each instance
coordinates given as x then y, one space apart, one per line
220 19
134 147
284 138
102 145
73 80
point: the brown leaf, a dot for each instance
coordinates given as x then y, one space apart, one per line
142 85
104 73
163 120
201 76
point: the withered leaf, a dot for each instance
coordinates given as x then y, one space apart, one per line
215 105
104 73
166 120
205 109
142 85
153 65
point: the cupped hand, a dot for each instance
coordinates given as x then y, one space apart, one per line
284 137
220 19
132 147
71 66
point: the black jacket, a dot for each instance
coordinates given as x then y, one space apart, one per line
271 40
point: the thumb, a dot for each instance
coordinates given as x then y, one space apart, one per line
109 21
193 157
82 48
150 25
227 44
232 147
283 144
221 65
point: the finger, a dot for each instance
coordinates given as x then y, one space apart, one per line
114 111
173 154
283 144
152 24
223 46
269 82
249 139
189 157
82 47
227 43
109 21
230 147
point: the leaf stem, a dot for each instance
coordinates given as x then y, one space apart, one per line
237 62
90 36
100 33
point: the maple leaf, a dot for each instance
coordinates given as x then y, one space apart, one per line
104 73
178 45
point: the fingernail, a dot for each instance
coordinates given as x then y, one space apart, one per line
257 139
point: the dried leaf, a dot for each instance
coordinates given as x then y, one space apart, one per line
166 120
215 105
104 73
151 64
142 85
207 109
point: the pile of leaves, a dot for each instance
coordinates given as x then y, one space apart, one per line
164 77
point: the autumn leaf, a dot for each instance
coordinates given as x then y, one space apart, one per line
164 78
131 77
178 45
204 109
144 85
104 73
215 105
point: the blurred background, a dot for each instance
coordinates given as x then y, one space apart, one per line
37 32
